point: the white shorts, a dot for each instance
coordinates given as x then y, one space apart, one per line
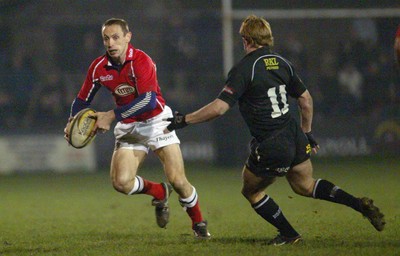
147 134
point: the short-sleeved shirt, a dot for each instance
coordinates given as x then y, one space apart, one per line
261 83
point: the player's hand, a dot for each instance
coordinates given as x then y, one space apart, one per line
178 121
313 143
104 121
67 128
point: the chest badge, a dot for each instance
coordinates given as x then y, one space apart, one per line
124 90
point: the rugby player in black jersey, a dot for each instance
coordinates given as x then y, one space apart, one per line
261 83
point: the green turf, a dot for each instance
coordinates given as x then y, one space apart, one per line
80 214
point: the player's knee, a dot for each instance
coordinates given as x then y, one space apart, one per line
181 186
122 185
301 192
304 188
178 184
253 196
247 193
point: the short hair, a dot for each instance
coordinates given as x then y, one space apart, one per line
115 21
257 31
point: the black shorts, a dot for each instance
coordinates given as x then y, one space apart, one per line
274 156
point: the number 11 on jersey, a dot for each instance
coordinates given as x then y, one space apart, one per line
273 96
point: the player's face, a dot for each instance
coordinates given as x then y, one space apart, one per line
115 42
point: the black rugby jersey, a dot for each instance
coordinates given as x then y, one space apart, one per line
261 82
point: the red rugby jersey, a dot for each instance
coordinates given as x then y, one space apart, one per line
136 76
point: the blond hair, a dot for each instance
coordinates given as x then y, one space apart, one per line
256 31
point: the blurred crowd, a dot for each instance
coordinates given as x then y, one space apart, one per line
358 77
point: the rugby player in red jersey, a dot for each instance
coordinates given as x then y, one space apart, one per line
130 76
262 83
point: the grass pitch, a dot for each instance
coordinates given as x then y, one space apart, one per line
80 214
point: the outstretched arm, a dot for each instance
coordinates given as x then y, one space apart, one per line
209 112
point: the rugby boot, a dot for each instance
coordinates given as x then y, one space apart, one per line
372 213
200 230
162 208
280 240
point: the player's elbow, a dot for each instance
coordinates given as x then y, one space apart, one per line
220 107
153 101
305 101
218 112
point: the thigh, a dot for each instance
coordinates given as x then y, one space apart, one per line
300 178
171 157
273 156
254 186
125 163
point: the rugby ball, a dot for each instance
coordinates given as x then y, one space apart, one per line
81 128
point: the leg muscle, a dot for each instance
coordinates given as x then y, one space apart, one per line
171 157
300 178
124 165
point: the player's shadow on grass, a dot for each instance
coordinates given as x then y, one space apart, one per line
317 242
242 240
323 242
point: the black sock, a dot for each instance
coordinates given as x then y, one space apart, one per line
325 190
271 212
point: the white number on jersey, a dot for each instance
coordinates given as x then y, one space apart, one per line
272 94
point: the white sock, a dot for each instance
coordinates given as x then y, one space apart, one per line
137 186
190 201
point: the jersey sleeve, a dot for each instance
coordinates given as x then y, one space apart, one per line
235 85
296 86
145 72
145 102
87 92
90 86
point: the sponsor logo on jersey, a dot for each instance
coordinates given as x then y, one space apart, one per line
130 54
106 78
124 90
271 63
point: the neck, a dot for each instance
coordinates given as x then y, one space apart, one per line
252 49
118 60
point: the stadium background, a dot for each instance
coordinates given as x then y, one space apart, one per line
46 47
